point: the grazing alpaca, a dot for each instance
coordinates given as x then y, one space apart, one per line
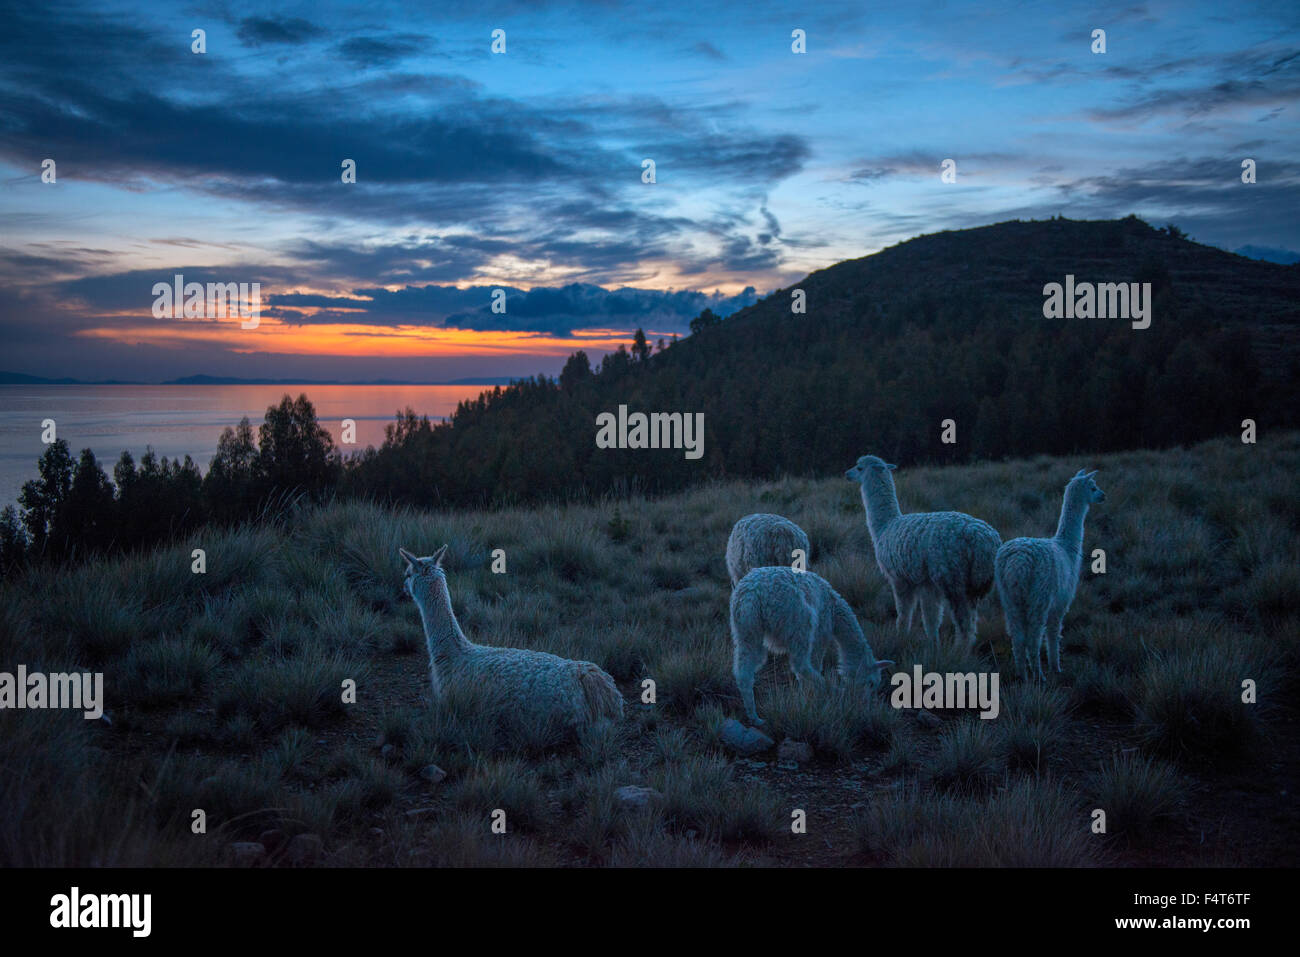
928 557
532 687
778 609
763 539
1037 579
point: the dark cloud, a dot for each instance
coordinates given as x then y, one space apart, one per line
256 31
377 51
562 310
707 50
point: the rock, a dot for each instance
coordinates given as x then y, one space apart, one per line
273 839
927 719
305 849
246 853
633 797
744 740
796 751
433 774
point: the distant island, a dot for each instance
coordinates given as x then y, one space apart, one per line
18 378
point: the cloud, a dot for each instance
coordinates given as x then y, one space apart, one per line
375 51
562 310
257 31
707 50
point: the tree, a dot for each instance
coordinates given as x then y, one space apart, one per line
87 518
640 348
704 320
13 542
230 488
576 371
295 451
42 498
615 363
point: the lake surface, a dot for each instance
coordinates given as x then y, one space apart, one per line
180 420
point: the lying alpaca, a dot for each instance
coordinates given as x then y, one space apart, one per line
533 687
778 609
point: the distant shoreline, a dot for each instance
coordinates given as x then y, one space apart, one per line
16 378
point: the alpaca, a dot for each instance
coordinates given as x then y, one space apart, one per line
763 539
778 609
929 558
531 686
1037 579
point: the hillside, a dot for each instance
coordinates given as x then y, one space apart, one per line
224 688
948 326
1007 264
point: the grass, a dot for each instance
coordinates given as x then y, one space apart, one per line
1136 792
226 689
1029 824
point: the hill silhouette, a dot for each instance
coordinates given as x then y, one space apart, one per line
944 326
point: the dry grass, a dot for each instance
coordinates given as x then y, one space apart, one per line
225 688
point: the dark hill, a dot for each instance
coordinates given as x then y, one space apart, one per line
946 326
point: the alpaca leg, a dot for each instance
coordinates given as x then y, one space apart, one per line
1038 652
819 658
801 650
1054 643
749 657
963 636
904 605
931 614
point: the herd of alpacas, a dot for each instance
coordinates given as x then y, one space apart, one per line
934 559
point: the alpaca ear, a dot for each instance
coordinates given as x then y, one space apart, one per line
438 556
884 665
890 467
411 560
1091 474
1079 474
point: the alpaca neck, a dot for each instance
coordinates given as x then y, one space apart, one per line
880 499
441 630
1069 530
849 637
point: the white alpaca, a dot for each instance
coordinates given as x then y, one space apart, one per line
1037 579
928 557
778 609
531 687
762 539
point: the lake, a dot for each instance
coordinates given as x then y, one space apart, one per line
180 420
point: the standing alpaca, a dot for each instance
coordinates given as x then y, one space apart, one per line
1037 579
775 608
928 557
532 687
763 539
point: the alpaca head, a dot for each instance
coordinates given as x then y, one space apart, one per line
1083 489
869 466
872 673
424 576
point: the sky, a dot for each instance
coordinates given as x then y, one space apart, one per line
523 170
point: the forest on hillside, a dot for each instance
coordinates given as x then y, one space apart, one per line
943 330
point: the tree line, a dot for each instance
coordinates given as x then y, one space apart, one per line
781 394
